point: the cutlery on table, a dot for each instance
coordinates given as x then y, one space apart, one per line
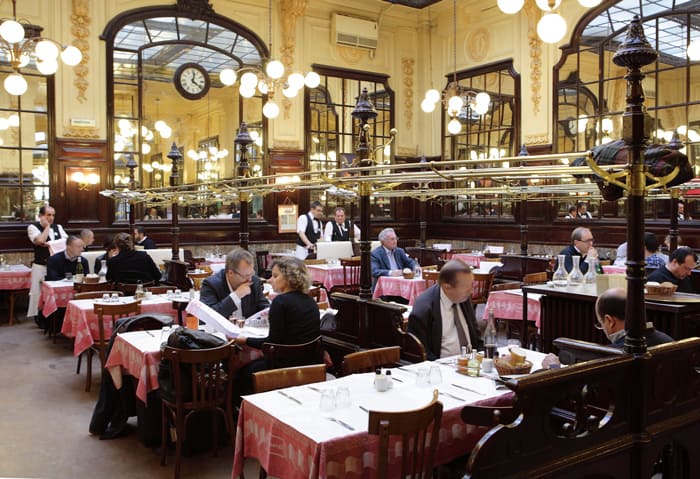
469 389
364 409
314 389
290 397
406 370
344 424
451 396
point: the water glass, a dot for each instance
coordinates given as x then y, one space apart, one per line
169 294
435 376
342 397
115 297
164 333
69 276
327 400
177 293
423 377
105 297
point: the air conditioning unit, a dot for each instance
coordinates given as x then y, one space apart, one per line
356 32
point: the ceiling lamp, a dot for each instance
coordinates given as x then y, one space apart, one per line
269 80
693 50
458 100
552 27
19 42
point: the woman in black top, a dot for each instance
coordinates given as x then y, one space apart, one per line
294 316
128 266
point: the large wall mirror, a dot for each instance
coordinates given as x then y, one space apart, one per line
164 88
591 89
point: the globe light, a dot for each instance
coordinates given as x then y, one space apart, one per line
483 98
433 95
228 76
480 108
454 126
4 124
544 5
312 79
275 69
589 3
13 119
15 84
271 110
262 87
47 67
289 92
247 92
296 81
145 148
166 132
427 105
249 80
510 6
159 125
46 50
693 50
551 28
11 31
455 103
71 56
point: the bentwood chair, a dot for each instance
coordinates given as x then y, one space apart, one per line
96 294
418 431
106 312
535 278
197 278
482 286
159 289
202 382
371 359
289 355
89 287
129 289
262 264
287 377
430 277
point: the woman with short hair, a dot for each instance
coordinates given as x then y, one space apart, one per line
125 265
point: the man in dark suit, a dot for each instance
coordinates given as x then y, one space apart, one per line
678 270
581 245
443 317
66 261
140 238
388 259
235 289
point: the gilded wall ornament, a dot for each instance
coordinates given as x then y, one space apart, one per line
80 23
535 44
81 132
408 64
290 11
537 139
478 44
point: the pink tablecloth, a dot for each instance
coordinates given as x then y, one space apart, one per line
80 321
17 276
612 269
329 276
54 295
508 304
470 258
398 286
138 353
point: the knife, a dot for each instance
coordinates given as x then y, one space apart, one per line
290 397
344 424
468 389
314 389
451 396
406 370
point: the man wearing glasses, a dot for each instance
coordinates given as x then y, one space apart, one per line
235 290
678 270
581 245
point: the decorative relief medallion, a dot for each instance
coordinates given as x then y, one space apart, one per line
351 55
535 44
478 44
537 139
80 23
408 64
80 132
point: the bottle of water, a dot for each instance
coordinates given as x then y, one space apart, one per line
417 270
103 271
490 336
139 290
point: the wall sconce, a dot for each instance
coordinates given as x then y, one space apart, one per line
84 181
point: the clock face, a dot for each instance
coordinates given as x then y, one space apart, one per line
192 81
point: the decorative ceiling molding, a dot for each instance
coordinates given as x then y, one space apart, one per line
80 28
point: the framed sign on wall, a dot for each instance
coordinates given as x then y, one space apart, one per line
287 218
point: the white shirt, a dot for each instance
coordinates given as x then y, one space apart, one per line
303 220
449 344
235 298
328 231
33 232
392 259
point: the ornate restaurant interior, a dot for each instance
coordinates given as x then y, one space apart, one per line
484 132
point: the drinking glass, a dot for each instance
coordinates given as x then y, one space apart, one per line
69 276
169 294
115 298
177 293
423 377
327 400
434 376
105 297
342 397
164 333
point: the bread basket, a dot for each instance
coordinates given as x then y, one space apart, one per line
505 368
91 279
408 275
661 290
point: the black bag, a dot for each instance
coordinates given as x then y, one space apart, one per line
183 338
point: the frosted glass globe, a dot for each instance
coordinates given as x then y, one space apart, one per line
247 92
71 56
454 126
228 76
551 28
11 31
312 80
455 103
433 95
271 110
249 80
510 6
47 67
694 50
427 105
275 69
15 84
296 81
589 3
46 50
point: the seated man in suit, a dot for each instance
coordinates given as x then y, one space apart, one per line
678 270
443 317
610 314
235 288
389 260
581 245
140 238
66 261
125 265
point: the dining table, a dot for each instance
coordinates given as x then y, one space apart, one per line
508 304
15 279
472 259
292 437
327 274
54 295
399 286
80 321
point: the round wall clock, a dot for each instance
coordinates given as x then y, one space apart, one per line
191 81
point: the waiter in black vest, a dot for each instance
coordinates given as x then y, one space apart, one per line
309 228
40 233
339 230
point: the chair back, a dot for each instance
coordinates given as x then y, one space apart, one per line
289 355
197 278
371 359
418 431
89 287
262 264
351 275
427 256
504 286
315 293
95 294
482 286
315 261
112 312
205 383
129 289
430 277
159 289
535 278
287 377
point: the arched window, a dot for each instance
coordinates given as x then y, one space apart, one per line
163 87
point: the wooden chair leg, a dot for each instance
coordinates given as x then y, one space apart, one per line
88 379
215 427
80 359
163 433
180 432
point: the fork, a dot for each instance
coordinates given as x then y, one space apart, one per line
451 396
338 421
